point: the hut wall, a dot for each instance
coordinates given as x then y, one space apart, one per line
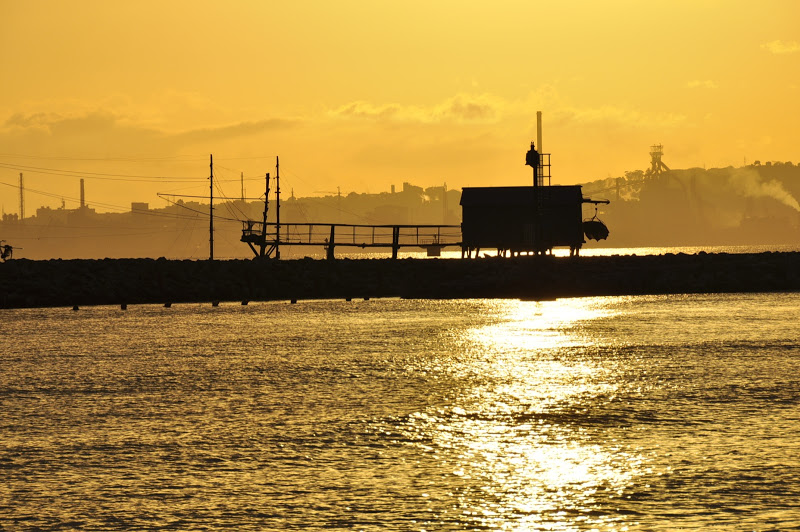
504 217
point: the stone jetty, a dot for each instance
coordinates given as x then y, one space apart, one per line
69 283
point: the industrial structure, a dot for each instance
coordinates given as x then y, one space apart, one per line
657 166
527 220
513 220
266 238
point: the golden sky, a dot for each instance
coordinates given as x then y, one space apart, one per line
363 94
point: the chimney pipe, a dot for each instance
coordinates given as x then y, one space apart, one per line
539 131
83 202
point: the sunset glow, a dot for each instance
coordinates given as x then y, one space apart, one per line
363 95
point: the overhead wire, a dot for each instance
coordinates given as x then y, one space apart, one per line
184 157
104 175
217 217
337 208
116 208
157 178
229 205
98 175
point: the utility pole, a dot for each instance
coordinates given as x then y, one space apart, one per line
277 207
242 178
211 208
21 198
264 219
444 204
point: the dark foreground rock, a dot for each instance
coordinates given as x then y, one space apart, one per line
26 283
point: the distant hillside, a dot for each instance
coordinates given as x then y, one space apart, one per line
180 230
754 204
751 205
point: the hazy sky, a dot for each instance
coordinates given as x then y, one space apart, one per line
134 96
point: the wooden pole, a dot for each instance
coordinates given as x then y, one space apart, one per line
264 219
211 209
396 241
331 243
277 207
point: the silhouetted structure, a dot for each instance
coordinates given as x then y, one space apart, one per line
532 159
656 164
6 251
521 219
526 219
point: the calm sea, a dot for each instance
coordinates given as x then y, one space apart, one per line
613 413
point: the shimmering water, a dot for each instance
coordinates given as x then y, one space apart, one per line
638 413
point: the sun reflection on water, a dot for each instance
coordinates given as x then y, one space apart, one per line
529 442
526 325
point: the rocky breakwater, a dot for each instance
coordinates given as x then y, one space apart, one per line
25 283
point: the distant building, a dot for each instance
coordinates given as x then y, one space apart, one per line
408 188
139 208
48 215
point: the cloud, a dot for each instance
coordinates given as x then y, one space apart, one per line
462 108
235 130
781 47
85 132
620 116
702 84
368 111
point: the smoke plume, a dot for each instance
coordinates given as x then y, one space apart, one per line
748 182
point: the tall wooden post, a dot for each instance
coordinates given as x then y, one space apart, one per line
395 241
331 243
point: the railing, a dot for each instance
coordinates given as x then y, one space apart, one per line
363 236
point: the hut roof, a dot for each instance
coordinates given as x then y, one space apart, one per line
507 196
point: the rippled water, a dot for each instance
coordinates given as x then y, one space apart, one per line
638 413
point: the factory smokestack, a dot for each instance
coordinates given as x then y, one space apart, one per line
83 197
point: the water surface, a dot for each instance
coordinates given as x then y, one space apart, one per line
638 413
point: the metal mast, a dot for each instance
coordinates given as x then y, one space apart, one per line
539 145
277 207
211 208
263 242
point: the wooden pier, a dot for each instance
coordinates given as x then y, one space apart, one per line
265 239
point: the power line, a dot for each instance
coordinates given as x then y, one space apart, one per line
199 212
175 158
99 175
118 208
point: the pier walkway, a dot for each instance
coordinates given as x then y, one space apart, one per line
266 239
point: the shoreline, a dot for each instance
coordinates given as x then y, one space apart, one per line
83 282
